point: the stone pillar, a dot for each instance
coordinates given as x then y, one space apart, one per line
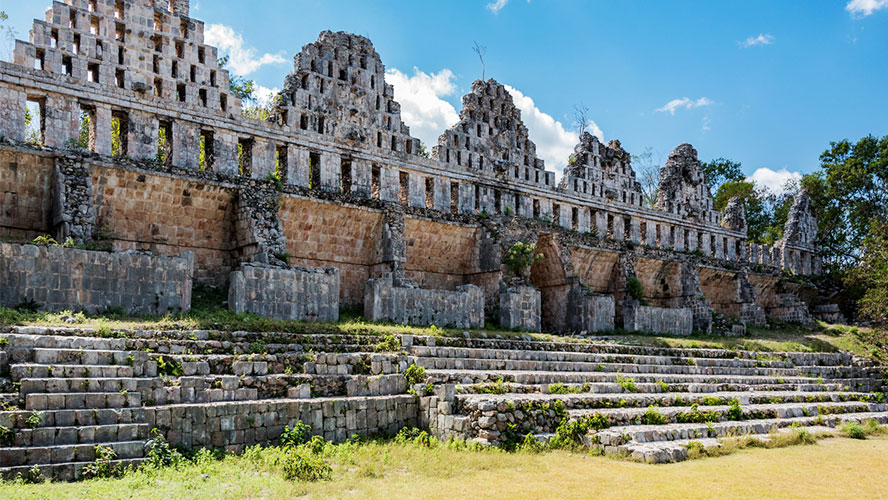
520 307
416 192
102 128
331 163
650 238
225 152
361 178
635 235
619 230
142 140
466 198
601 224
442 195
389 183
297 165
186 145
264 158
679 244
62 121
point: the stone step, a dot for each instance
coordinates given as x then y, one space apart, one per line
627 368
63 472
620 435
64 342
678 450
36 370
684 414
613 346
574 357
88 357
82 400
73 385
66 418
488 402
88 434
468 377
612 387
41 455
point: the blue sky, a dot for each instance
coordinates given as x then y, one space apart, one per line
766 83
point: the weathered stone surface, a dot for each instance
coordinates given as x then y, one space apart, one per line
285 293
409 305
58 279
520 307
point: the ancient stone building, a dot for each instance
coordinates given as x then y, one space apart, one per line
141 144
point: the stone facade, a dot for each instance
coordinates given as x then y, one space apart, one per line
639 318
589 313
183 170
408 305
520 308
58 279
285 293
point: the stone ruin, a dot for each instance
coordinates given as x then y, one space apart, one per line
142 149
142 145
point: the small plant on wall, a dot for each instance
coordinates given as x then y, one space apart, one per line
520 258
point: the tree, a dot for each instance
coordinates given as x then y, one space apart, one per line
848 194
871 275
581 117
759 204
481 51
720 171
647 170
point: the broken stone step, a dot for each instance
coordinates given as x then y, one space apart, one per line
63 472
620 435
574 357
634 416
626 368
40 455
35 370
86 357
66 418
610 387
74 385
82 400
491 402
88 434
64 342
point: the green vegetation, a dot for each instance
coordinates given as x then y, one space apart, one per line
415 374
521 258
626 383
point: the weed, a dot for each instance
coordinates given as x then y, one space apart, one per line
35 419
626 383
297 435
415 374
388 343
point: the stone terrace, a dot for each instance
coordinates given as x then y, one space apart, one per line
68 391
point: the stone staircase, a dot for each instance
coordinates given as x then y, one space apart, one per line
65 391
647 403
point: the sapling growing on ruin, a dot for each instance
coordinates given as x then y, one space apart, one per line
520 258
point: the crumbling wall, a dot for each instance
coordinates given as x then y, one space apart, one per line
166 215
602 171
589 312
408 305
683 190
285 293
638 318
26 194
58 278
520 307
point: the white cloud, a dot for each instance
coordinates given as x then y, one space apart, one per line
497 5
554 143
865 7
242 59
774 180
684 102
422 106
264 95
758 41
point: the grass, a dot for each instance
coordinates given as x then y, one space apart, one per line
821 337
834 468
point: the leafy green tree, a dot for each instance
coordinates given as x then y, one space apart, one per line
759 203
849 193
720 171
871 274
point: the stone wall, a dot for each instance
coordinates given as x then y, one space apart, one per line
26 189
638 318
285 293
167 215
520 307
60 278
439 255
406 304
588 313
235 425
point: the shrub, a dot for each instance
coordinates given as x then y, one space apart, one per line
7 436
159 453
634 288
169 368
854 430
653 417
415 374
35 419
412 435
297 435
627 384
735 412
570 433
388 343
299 465
521 257
45 240
104 466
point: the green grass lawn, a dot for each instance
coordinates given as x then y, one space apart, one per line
833 468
